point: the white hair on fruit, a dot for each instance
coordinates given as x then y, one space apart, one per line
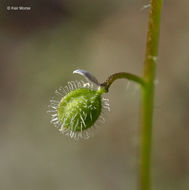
74 123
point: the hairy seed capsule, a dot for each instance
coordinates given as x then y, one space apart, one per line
79 109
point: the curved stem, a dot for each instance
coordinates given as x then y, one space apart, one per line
148 93
122 75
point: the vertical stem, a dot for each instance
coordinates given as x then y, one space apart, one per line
148 93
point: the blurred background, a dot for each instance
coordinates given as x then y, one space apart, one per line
39 50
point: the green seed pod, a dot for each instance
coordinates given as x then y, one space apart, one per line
80 108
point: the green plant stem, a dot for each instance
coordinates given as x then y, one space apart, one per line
122 75
147 84
148 93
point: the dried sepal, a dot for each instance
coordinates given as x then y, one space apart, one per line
87 75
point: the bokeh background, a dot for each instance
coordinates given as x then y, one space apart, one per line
40 48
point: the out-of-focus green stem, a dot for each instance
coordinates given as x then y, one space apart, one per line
147 84
148 93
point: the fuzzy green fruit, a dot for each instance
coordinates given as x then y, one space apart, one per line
80 109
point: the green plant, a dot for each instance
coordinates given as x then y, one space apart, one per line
81 107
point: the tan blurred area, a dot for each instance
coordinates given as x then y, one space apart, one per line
39 50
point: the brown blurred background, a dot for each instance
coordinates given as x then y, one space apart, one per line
40 48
